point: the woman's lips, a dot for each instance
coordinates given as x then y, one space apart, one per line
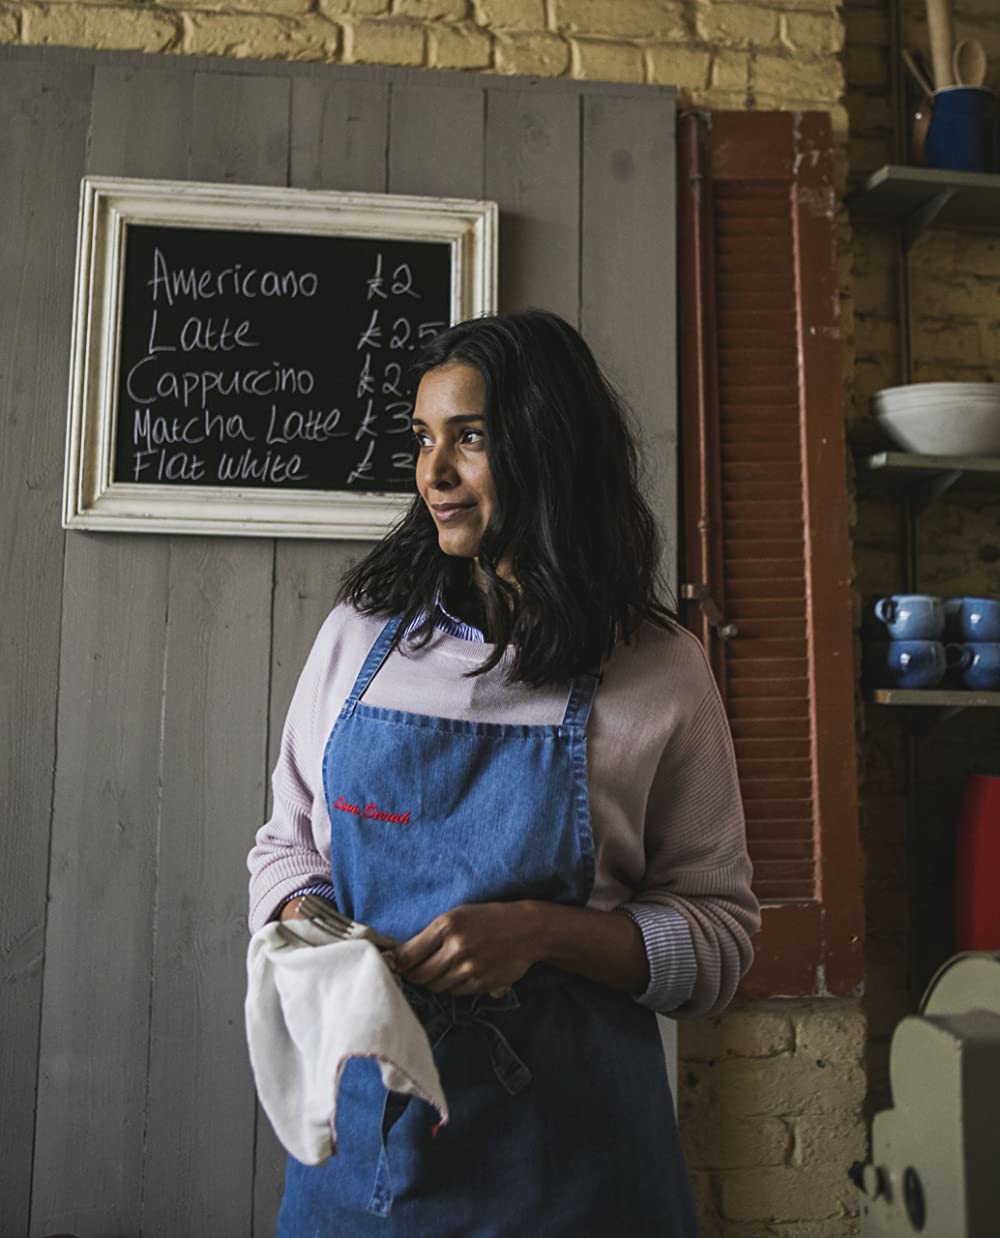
446 512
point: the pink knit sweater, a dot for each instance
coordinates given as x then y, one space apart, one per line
666 814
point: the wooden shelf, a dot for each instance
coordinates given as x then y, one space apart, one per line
897 193
911 465
925 478
943 698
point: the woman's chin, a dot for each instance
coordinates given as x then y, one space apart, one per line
457 546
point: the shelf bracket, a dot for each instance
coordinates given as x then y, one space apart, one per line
931 718
924 492
920 722
918 221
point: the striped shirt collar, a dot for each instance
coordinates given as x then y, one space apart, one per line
451 625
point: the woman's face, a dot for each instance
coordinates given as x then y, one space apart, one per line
453 475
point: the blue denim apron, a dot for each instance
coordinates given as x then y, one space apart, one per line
561 1115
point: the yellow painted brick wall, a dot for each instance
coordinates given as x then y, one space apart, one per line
769 1109
772 1093
721 53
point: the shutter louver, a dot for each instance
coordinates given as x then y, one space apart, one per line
763 452
763 547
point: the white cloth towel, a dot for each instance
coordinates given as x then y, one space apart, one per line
309 1008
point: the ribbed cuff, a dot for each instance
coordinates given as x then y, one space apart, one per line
322 888
673 967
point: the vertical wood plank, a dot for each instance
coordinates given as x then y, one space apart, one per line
627 298
338 141
532 153
43 131
105 826
200 1109
436 140
628 275
339 133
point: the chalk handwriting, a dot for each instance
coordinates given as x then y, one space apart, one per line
375 282
204 284
366 383
371 337
206 397
363 470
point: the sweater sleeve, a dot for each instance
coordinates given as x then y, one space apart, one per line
285 858
697 870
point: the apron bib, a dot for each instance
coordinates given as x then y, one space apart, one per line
561 1116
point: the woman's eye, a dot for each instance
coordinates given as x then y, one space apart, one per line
422 437
472 436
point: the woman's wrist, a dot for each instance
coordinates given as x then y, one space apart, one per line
286 909
599 945
289 909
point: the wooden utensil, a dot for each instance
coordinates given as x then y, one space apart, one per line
918 76
942 42
918 134
969 63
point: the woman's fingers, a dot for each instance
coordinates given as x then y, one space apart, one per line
474 948
437 956
430 971
420 947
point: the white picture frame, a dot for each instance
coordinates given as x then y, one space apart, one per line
92 497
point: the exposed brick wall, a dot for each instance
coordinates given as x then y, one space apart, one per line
773 1092
769 1101
723 54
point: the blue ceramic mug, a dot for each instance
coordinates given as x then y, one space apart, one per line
961 133
910 616
952 608
972 619
975 664
905 663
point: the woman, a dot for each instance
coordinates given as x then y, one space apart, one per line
504 753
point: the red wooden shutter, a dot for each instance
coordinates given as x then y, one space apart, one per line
766 520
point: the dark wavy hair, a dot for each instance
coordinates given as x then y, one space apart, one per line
583 542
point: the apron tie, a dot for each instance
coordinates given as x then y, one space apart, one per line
439 1015
513 1074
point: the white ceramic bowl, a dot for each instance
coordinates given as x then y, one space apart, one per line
942 419
935 391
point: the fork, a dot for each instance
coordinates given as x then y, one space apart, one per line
339 927
336 926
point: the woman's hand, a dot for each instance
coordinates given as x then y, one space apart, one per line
483 947
474 948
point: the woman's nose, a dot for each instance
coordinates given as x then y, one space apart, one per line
441 466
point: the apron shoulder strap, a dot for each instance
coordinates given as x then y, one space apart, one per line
581 698
373 662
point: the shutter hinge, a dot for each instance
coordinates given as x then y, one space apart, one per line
701 594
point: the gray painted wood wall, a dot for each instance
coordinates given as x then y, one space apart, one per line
144 677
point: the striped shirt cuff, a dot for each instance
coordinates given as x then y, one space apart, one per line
673 967
322 888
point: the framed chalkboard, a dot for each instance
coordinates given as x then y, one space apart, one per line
241 355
